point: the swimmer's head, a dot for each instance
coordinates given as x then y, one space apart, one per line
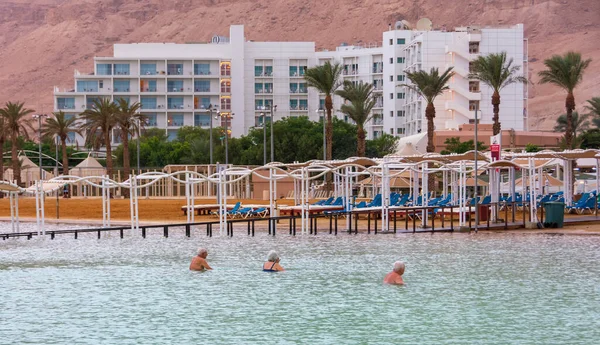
202 252
399 267
272 256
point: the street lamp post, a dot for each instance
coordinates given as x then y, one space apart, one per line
227 116
264 116
210 109
273 109
476 152
39 118
139 138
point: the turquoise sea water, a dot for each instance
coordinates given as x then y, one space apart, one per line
460 289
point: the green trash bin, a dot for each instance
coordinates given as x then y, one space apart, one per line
555 214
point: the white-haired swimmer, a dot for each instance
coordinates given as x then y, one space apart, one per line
395 276
199 261
272 264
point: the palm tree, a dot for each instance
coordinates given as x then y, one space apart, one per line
129 121
429 86
594 110
325 79
496 72
100 118
361 103
61 126
16 124
565 72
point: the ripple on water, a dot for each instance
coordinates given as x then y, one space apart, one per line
461 289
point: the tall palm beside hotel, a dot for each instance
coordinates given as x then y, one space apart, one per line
495 71
429 85
580 124
361 100
61 126
593 108
326 79
128 120
566 72
17 124
100 118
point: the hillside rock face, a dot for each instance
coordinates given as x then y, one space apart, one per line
43 41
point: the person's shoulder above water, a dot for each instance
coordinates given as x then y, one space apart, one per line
395 277
199 262
272 264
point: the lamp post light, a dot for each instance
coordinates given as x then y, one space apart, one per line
321 112
273 109
39 118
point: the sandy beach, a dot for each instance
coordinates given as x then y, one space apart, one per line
163 211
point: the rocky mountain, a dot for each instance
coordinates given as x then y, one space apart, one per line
43 41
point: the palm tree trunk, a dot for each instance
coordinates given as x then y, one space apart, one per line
570 105
109 162
430 115
360 149
65 163
65 158
329 140
496 104
126 165
329 128
15 161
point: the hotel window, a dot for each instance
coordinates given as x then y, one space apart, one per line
148 69
400 95
226 86
121 85
91 102
474 86
322 104
262 104
71 137
258 71
293 104
175 102
258 88
400 113
400 77
104 69
101 84
293 71
150 120
302 70
175 86
268 71
303 104
391 60
121 69
401 41
391 131
65 103
391 78
225 103
148 85
392 95
474 47
202 85
201 102
391 113
148 102
225 69
201 69
473 105
400 60
202 120
175 120
175 69
391 41
87 86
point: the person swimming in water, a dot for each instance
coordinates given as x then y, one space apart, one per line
272 264
199 261
395 277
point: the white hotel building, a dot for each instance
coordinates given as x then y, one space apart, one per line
176 83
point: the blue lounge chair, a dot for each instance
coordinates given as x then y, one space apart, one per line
580 204
261 212
244 212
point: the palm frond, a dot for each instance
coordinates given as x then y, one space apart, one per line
564 71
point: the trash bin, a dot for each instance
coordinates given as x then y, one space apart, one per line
555 214
484 213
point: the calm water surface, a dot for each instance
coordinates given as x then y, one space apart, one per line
461 289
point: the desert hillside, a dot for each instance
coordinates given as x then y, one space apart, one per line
43 41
